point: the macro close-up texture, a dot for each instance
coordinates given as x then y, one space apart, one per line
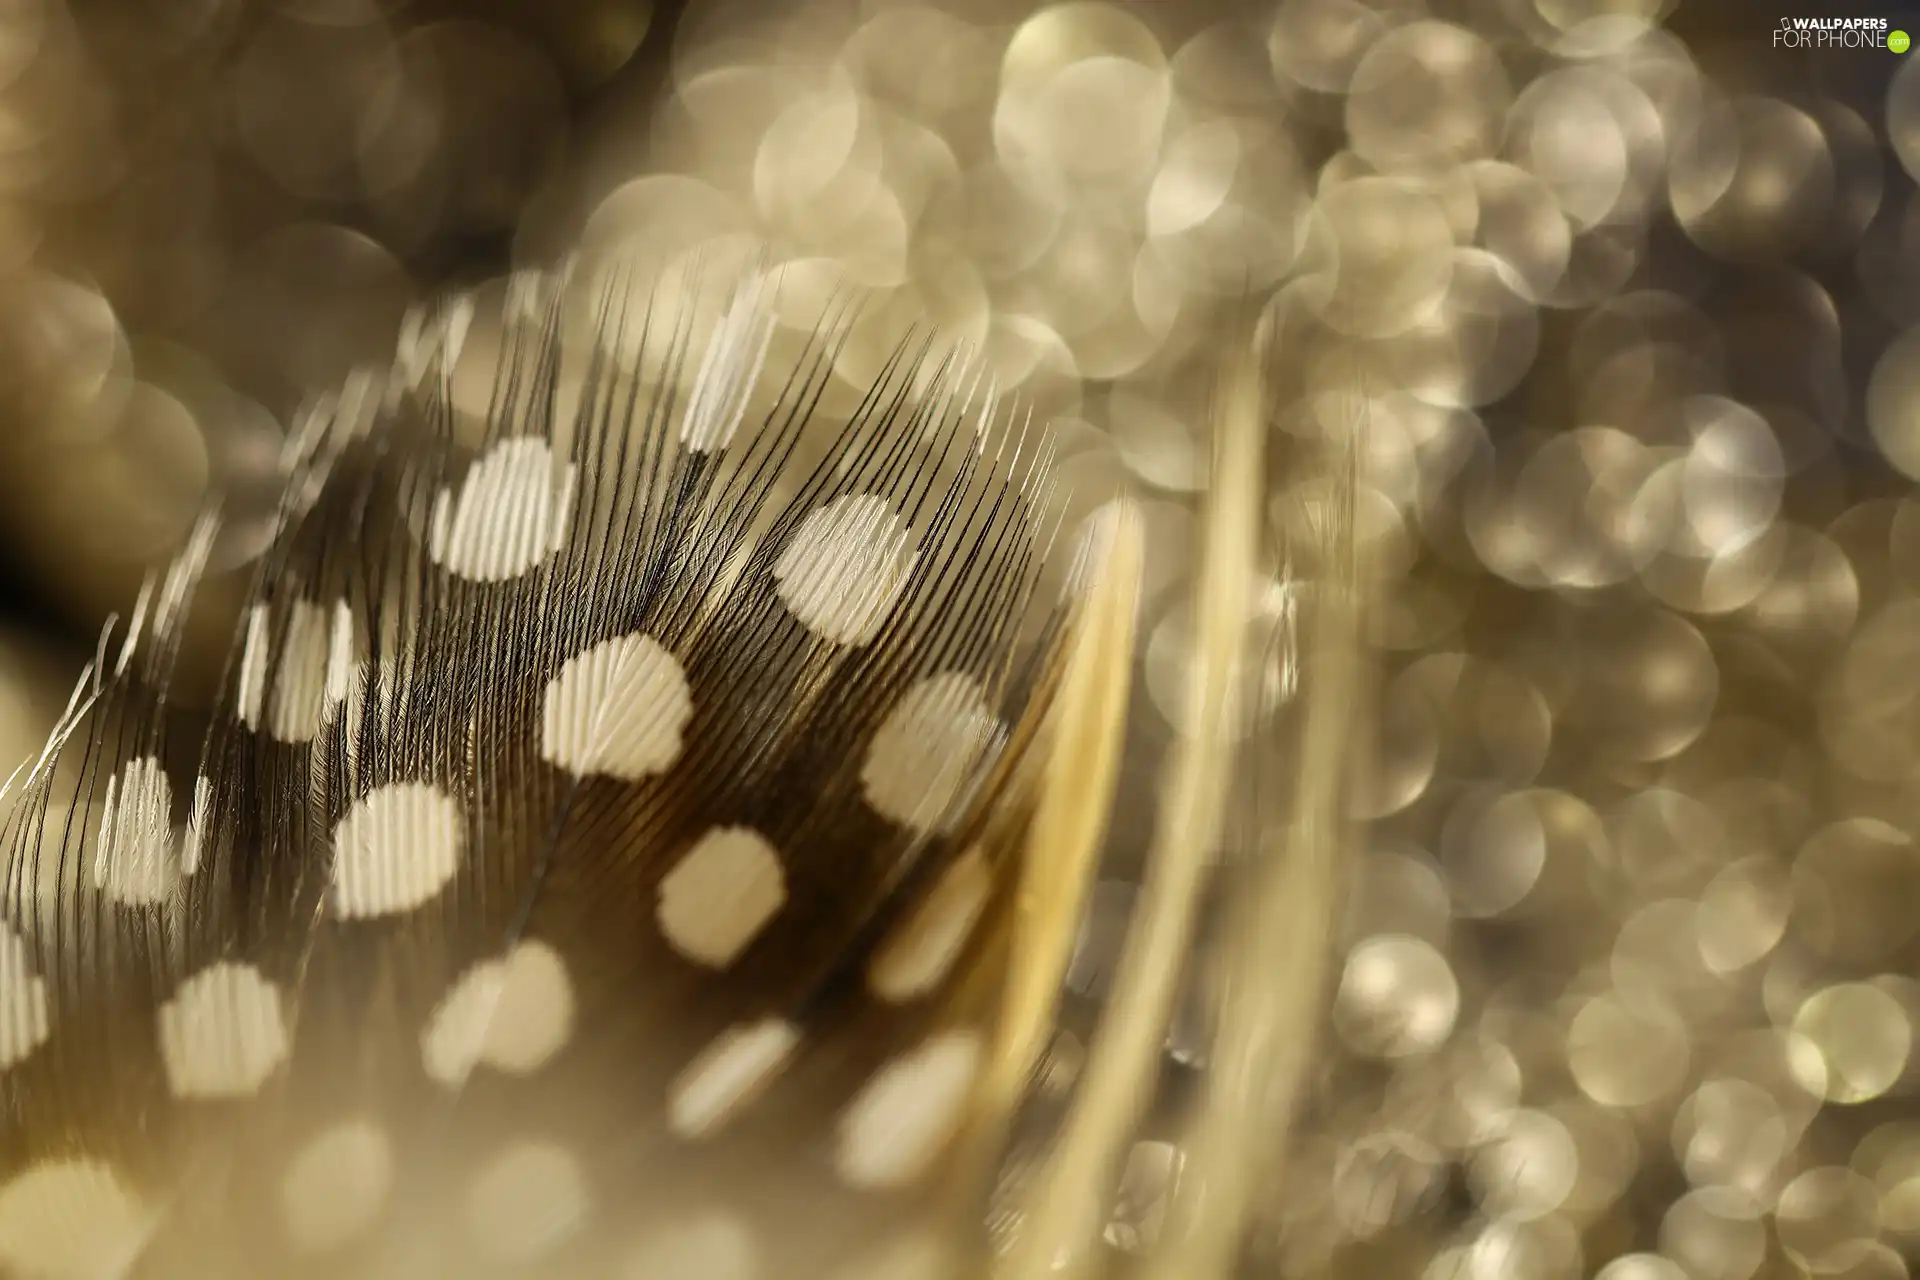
959 640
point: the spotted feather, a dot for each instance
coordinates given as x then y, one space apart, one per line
602 854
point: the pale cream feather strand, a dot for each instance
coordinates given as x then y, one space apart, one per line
1070 1196
1270 1019
1070 821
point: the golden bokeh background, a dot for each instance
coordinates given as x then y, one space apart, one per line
1628 300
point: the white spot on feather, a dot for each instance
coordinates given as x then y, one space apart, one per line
921 950
135 860
844 568
396 849
71 1217
926 751
735 355
336 1188
511 513
195 843
904 1116
368 689
728 1074
431 339
720 895
512 1015
713 1246
526 1202
222 1033
342 665
253 664
618 709
24 1018
296 704
529 292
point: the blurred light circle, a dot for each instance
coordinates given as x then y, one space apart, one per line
479 125
1854 881
1715 1233
1527 1169
1033 361
1814 595
1903 115
1481 1084
306 96
1169 670
131 496
1641 1266
1889 1157
1195 178
1397 996
1378 258
1397 765
1084 91
1493 848
1665 840
816 167
1609 1157
1862 1036
1734 474
1086 276
1226 231
1564 131
1155 441
1572 15
1521 224
1494 723
1893 402
340 290
1626 1054
1648 682
921 58
67 352
646 222
1317 44
1730 1132
1225 66
1859 168
1426 96
1400 892
1720 581
1743 914
1754 181
1585 509
1826 1217
1656 960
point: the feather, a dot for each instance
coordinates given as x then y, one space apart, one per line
1279 935
1074 1189
604 850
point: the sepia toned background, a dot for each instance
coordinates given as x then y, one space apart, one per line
1628 979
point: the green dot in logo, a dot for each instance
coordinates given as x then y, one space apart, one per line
1898 41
